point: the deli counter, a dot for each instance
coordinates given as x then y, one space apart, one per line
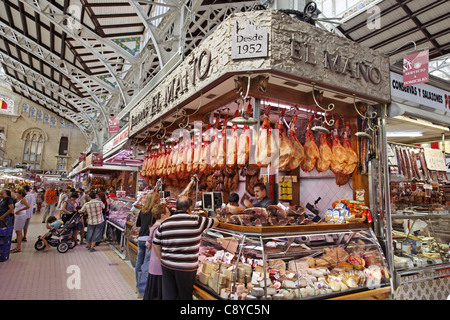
322 261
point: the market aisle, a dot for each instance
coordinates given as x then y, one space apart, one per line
33 275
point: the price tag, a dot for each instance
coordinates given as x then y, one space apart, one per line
250 42
435 159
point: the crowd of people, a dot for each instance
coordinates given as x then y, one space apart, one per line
168 243
57 207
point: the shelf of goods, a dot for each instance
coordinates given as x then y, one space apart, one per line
420 217
321 261
119 213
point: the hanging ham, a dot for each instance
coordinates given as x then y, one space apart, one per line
232 145
243 151
215 143
325 154
197 153
222 153
311 149
160 161
340 156
145 164
285 150
298 153
352 160
166 160
190 156
206 152
266 147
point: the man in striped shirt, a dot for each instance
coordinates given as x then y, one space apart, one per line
177 243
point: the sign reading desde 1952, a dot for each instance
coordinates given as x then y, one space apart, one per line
250 42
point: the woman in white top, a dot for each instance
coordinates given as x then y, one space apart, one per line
20 217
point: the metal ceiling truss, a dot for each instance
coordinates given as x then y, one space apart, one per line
70 71
98 46
85 107
202 20
43 100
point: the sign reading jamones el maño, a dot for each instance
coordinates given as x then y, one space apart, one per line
296 50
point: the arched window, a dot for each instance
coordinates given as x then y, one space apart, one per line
34 146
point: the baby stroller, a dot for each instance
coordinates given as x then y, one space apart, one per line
61 238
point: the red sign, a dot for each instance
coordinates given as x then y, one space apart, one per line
415 68
114 125
97 159
82 157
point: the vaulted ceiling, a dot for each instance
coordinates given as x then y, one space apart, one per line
86 59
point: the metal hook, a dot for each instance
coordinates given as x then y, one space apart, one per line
373 116
330 106
186 116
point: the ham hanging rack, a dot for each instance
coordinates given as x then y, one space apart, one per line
329 108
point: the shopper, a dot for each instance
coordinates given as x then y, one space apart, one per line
102 197
112 192
177 243
53 224
144 221
153 290
68 208
94 210
84 197
31 199
63 196
6 209
51 197
20 217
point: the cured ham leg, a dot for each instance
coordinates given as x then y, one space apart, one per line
215 145
285 149
190 156
243 151
232 145
197 154
298 152
311 149
222 154
340 156
266 147
325 154
206 152
352 157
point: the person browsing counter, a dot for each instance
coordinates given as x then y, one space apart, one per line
6 209
176 243
262 200
20 217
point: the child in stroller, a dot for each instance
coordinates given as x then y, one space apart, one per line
60 235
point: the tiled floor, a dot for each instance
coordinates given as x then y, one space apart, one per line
75 275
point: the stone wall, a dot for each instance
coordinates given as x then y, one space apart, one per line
16 124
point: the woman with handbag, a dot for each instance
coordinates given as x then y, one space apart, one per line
144 220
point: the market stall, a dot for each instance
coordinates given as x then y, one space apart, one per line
417 206
271 99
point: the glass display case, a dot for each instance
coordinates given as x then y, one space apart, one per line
291 262
420 216
119 211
